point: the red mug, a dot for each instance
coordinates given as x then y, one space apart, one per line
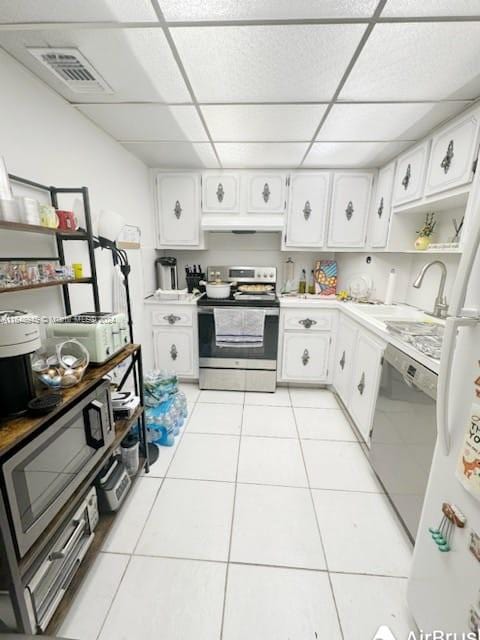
67 220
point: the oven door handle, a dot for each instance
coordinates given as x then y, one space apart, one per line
72 541
94 436
268 311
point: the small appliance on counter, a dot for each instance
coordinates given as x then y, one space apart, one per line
113 483
19 338
103 334
166 273
124 404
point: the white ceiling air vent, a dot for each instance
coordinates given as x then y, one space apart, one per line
72 68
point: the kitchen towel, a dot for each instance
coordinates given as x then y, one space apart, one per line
239 327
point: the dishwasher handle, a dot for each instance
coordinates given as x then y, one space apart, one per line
444 376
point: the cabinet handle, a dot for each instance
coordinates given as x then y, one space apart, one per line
406 177
171 318
380 208
342 361
361 384
305 357
307 322
173 352
349 210
307 210
447 160
220 192
177 210
266 192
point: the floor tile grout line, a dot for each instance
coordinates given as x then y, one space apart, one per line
337 611
231 524
107 613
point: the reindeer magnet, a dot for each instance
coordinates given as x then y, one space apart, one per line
468 467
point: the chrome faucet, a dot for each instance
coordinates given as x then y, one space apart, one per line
440 307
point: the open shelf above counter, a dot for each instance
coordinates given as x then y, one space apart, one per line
42 285
36 228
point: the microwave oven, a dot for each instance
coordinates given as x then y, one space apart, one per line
41 477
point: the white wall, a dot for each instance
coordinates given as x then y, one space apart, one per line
45 139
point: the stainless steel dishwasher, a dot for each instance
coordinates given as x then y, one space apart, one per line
404 433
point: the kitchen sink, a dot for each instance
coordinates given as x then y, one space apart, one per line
392 311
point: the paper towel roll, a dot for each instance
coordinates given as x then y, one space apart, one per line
392 278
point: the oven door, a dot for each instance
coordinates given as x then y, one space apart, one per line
261 357
42 476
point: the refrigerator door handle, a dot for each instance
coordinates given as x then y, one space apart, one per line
443 389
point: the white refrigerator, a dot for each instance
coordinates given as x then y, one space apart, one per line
444 585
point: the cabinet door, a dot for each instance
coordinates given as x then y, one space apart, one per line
178 216
454 149
342 368
349 211
307 209
365 382
266 193
173 349
305 357
410 174
382 207
220 193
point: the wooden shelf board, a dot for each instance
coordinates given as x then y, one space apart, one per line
36 228
122 427
42 285
14 430
101 532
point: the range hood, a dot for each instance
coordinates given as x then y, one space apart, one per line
242 222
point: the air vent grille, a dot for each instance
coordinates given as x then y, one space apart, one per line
73 69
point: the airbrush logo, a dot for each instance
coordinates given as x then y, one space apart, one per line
384 633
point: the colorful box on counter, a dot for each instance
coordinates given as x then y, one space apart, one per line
325 277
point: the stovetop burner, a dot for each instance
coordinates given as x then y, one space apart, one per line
239 276
242 301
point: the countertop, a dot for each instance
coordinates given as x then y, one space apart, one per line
362 313
190 299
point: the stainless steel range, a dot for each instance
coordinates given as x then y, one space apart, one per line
238 336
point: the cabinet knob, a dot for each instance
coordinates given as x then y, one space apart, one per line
349 210
171 318
305 357
220 192
447 160
407 176
177 210
266 192
173 352
380 208
307 210
307 322
342 361
361 384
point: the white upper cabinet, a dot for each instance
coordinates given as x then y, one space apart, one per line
220 193
351 195
453 152
178 215
266 193
307 209
410 174
382 207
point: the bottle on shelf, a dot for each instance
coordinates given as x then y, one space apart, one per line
302 283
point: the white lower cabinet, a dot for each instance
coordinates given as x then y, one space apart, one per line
345 351
305 357
175 342
365 380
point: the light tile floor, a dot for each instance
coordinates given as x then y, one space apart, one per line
264 522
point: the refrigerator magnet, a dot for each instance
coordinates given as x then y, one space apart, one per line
468 465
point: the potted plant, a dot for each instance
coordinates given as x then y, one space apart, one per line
425 233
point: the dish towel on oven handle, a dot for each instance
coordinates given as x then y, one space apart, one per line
239 327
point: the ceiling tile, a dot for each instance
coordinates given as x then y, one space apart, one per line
258 154
147 121
417 61
191 10
353 154
414 8
260 63
245 123
174 155
386 121
136 63
77 11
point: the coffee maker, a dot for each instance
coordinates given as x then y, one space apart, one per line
19 338
166 273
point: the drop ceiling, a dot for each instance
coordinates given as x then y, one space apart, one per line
260 83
